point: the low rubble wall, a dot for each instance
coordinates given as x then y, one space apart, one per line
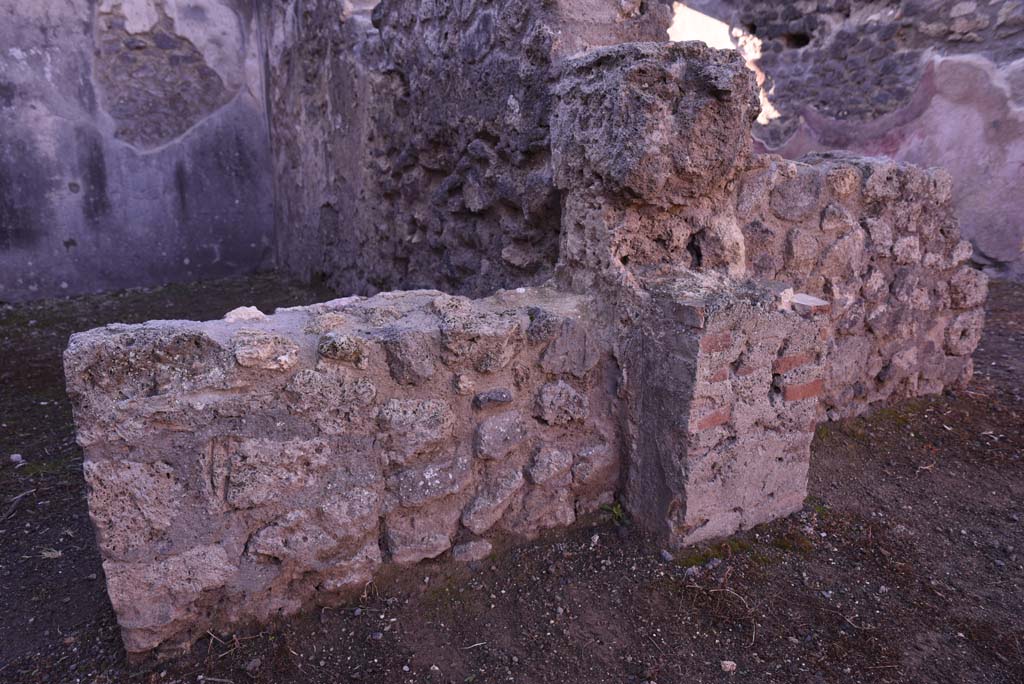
880 241
240 468
709 307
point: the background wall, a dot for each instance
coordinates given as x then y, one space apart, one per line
135 135
411 142
933 82
134 144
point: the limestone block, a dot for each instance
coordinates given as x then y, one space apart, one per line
475 550
492 501
549 464
131 504
423 533
262 470
161 599
415 487
595 476
414 427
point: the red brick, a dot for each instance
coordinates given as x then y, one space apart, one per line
715 418
807 390
784 364
744 370
718 342
721 375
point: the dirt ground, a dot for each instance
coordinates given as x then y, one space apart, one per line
906 564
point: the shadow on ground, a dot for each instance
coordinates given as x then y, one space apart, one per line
906 564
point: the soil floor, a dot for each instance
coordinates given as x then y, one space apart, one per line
905 565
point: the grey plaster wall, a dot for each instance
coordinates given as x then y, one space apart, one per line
134 144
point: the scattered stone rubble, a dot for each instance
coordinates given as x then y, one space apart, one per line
709 306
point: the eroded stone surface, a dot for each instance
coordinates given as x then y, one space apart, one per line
877 239
257 474
263 464
382 169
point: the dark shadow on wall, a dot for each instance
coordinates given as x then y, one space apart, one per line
92 166
125 159
24 182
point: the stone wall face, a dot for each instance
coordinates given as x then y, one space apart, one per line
879 240
931 82
243 469
112 137
422 158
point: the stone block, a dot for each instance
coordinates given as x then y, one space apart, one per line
710 455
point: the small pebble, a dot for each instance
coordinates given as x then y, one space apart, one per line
666 555
728 666
470 551
377 636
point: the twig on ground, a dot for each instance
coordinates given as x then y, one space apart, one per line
730 591
15 501
856 626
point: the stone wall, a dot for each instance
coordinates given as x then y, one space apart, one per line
411 146
282 458
243 469
931 82
877 239
133 145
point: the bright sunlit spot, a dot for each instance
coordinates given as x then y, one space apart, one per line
689 24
